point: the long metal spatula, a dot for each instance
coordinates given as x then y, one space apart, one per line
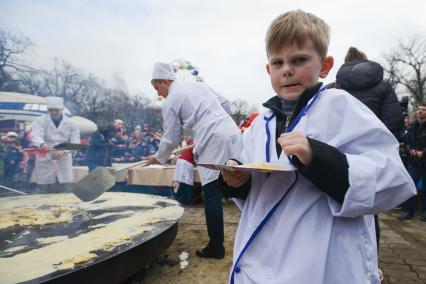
70 146
59 147
100 180
13 190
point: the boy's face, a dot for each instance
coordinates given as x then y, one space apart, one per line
295 69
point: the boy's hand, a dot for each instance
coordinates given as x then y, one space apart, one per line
296 143
234 179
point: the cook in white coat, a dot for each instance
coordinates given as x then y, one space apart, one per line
314 225
195 107
53 170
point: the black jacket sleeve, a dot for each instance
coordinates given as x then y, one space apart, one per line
234 192
328 169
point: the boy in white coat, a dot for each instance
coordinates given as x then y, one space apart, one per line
315 224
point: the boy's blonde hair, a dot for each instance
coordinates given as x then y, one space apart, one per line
297 27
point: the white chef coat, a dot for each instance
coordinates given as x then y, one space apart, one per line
184 172
44 131
195 107
310 237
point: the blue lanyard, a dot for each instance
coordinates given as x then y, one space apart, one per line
305 109
268 136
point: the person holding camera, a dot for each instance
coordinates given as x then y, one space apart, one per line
416 162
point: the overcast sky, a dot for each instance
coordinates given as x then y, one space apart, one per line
224 38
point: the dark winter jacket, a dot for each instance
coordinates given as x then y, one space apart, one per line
2 155
13 156
416 139
99 151
364 80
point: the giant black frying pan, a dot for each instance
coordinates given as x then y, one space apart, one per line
112 264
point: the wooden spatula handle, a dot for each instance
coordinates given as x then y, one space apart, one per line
137 164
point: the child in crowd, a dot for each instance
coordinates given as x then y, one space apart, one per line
13 159
314 224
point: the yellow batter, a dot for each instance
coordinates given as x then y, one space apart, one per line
62 252
51 239
266 166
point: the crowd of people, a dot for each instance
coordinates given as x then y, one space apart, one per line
112 143
413 155
19 151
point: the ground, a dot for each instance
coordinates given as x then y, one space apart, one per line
402 251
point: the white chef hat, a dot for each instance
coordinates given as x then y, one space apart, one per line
12 134
163 71
55 102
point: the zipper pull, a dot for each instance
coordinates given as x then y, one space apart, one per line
287 122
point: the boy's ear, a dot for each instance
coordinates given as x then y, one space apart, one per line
267 69
326 66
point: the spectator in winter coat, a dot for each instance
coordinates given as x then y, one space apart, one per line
416 162
12 160
100 146
119 147
363 79
2 155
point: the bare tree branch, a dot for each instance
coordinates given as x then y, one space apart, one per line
405 68
14 52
